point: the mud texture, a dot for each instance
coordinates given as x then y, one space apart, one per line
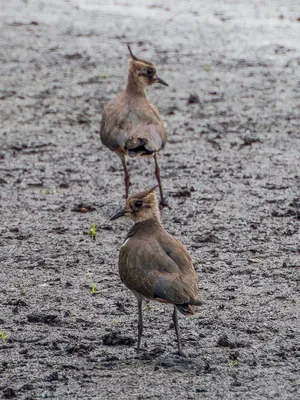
230 171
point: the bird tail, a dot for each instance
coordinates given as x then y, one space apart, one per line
138 147
189 309
145 140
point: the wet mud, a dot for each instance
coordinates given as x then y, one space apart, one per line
230 171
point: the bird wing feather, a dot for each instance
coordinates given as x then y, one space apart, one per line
155 271
134 130
112 127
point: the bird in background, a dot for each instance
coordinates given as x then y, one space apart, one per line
130 125
155 265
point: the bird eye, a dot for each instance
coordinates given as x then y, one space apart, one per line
138 204
150 71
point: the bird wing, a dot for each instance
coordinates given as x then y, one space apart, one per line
134 129
144 138
177 287
113 122
151 269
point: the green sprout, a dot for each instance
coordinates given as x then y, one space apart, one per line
102 76
207 67
92 231
3 335
49 191
148 307
93 289
234 363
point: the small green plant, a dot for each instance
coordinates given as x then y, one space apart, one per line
3 335
93 289
207 67
49 191
102 76
148 307
234 363
92 231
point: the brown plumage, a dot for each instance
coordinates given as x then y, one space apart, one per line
153 264
130 125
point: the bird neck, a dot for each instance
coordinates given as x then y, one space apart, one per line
145 227
134 85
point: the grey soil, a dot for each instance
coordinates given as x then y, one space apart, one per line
230 171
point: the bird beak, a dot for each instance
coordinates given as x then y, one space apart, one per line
158 80
119 214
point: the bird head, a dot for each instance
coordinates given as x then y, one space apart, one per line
140 207
142 73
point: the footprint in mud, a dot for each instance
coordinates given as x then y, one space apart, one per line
115 338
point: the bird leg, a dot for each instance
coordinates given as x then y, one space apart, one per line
163 203
140 324
175 320
126 177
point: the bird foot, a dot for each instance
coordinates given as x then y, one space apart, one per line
182 354
163 203
142 354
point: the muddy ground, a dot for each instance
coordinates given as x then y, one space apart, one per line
230 171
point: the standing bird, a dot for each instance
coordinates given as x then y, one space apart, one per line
155 265
130 125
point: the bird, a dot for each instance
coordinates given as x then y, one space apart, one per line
155 265
130 125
